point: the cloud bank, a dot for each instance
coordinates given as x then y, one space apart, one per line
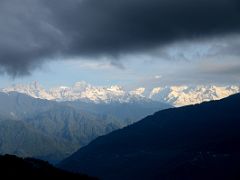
35 31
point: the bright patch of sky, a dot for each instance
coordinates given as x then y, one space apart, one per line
180 64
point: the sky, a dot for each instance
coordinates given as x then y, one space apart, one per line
132 43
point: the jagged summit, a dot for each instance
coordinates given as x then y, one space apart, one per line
186 95
174 95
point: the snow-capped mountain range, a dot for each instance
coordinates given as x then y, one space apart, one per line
174 95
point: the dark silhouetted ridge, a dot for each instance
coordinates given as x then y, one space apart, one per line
193 142
12 166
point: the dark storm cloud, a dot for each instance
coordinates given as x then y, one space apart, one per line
32 31
27 36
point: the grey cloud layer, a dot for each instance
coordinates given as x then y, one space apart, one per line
32 31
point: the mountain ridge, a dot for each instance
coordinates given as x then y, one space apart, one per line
190 138
82 91
52 130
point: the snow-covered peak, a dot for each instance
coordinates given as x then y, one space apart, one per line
33 89
184 95
174 95
116 89
79 91
138 92
155 91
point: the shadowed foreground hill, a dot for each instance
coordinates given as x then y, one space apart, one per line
12 166
192 142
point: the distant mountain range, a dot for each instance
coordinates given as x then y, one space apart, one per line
174 95
52 130
192 142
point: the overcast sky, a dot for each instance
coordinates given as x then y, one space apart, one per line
127 42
